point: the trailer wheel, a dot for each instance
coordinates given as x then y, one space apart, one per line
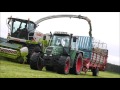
77 66
49 68
104 67
36 62
63 65
95 71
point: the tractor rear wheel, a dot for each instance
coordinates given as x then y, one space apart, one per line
36 62
78 64
63 65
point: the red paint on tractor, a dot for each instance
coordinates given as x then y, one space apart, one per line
78 65
67 66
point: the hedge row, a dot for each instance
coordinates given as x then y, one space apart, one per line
113 68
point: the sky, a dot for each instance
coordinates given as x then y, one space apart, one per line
105 27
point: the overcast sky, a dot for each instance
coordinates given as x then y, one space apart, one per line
105 27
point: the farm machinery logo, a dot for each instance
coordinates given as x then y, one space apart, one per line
5 50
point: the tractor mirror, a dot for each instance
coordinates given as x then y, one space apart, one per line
74 39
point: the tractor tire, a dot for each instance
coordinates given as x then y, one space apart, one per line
63 65
49 68
36 62
77 66
32 49
95 72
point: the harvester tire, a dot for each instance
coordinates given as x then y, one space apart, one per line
36 62
21 60
63 65
95 72
77 66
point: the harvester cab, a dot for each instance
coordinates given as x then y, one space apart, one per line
21 29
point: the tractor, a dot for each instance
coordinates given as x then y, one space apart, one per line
60 55
22 40
67 53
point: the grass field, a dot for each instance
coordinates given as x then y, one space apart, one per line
10 69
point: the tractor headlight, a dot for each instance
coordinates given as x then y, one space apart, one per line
45 54
50 55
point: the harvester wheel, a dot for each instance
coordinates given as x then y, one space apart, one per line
21 60
36 62
78 64
63 65
95 71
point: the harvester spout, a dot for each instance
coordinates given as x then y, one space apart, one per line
89 22
70 16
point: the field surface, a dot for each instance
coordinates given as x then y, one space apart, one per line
10 69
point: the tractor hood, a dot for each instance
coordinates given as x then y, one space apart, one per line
9 45
54 50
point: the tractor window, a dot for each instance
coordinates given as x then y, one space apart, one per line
74 45
60 40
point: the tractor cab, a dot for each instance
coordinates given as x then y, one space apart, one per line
60 39
61 43
20 28
66 40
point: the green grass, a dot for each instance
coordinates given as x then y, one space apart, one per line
10 69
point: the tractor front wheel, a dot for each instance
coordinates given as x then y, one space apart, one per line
36 62
78 64
63 65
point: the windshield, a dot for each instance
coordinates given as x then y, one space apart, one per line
20 28
60 40
21 25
